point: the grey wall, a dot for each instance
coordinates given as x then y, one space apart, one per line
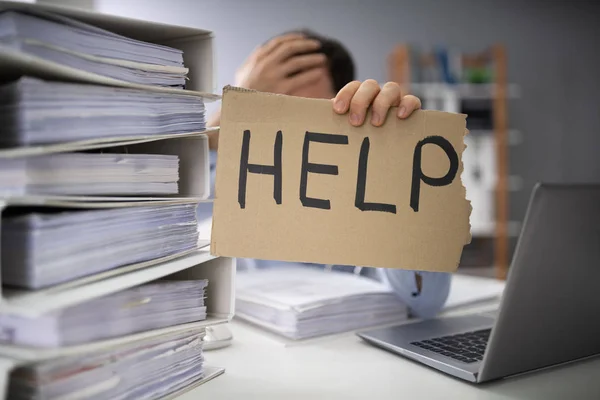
551 46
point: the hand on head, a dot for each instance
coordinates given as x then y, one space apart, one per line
292 64
283 65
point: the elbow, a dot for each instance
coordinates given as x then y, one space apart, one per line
429 308
427 302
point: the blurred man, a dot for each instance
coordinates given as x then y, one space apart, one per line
308 65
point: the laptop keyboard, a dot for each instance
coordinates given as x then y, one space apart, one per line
465 347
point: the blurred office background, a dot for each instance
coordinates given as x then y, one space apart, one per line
552 63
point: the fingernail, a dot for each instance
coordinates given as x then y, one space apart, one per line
355 119
375 119
402 112
340 106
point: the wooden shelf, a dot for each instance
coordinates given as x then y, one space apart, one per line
465 91
448 97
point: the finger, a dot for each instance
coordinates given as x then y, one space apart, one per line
341 101
303 78
292 48
408 104
361 101
302 63
272 44
390 96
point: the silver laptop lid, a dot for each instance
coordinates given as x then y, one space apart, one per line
550 311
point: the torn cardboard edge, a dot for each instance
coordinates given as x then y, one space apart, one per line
265 203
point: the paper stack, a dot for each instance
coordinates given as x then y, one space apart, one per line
84 47
143 369
151 306
34 111
44 248
305 302
99 185
90 174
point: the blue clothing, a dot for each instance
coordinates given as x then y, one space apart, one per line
425 303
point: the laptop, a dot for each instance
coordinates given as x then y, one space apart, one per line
549 309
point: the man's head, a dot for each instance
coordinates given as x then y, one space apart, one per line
299 63
339 66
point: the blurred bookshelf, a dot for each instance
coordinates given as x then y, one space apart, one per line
475 84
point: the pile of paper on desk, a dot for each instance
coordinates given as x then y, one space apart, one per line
304 302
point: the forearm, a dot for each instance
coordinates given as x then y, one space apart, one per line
213 137
424 301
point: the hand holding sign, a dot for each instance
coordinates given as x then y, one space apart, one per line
296 182
358 97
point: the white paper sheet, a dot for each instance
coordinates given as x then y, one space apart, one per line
301 302
466 290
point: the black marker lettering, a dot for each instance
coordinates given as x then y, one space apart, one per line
317 168
274 169
418 176
361 183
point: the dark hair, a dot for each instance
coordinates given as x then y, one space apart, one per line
339 61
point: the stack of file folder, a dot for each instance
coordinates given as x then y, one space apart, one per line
65 41
47 247
34 111
90 174
149 368
151 306
306 302
40 113
93 141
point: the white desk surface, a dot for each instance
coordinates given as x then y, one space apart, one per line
262 366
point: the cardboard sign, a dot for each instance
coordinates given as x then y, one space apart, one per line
297 182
